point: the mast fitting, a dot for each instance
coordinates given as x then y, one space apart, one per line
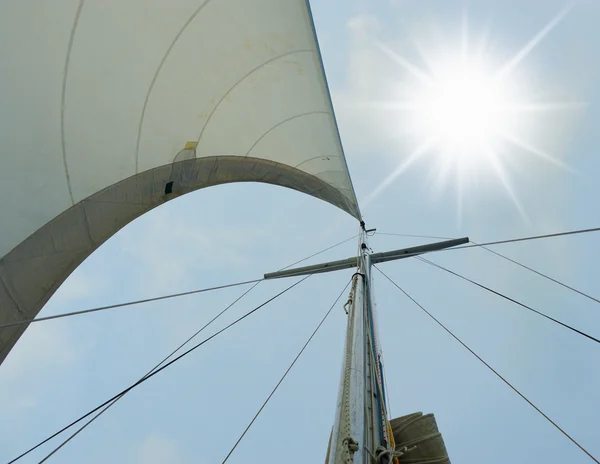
351 444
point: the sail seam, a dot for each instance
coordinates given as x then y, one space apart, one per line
281 123
9 292
248 74
64 96
316 157
155 77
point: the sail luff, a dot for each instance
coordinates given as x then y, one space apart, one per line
337 129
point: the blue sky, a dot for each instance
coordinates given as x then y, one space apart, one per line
196 409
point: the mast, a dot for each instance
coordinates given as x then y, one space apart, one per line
358 422
362 432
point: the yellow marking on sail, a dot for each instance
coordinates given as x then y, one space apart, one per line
190 145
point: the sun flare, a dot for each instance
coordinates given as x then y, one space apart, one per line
465 111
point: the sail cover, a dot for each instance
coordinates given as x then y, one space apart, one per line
112 107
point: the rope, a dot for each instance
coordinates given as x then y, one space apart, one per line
492 369
382 452
139 382
512 300
285 374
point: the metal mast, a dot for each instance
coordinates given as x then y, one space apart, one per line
358 422
362 433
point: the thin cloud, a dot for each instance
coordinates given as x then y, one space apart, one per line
160 449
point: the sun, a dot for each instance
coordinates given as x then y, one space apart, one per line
464 110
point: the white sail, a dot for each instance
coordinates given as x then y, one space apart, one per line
114 107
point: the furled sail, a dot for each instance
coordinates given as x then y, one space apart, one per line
418 440
113 107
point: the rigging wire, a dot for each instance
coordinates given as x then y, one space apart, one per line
165 297
491 368
508 259
111 401
498 242
415 236
512 300
109 405
129 303
512 240
318 253
538 273
174 360
174 295
285 374
522 239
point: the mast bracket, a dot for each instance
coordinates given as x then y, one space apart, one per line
351 444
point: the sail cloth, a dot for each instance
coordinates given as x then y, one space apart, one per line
418 439
112 107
